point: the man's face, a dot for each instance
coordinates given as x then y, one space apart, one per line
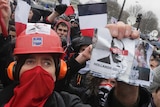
44 60
156 98
74 24
30 15
12 34
62 31
153 62
110 81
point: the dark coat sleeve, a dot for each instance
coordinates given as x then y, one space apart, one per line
73 68
7 93
64 99
72 100
5 58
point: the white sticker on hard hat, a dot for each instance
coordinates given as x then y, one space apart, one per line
41 28
37 41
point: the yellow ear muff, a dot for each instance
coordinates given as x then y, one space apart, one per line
10 70
63 69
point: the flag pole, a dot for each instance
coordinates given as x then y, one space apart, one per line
121 10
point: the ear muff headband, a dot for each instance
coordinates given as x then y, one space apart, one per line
10 70
63 69
61 75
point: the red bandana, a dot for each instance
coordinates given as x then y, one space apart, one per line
34 89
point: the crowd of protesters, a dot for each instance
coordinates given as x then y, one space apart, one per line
57 74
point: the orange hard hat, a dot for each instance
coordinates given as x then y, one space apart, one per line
38 42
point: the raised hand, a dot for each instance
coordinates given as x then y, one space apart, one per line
5 12
121 30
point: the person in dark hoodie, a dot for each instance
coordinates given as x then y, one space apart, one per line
62 28
77 84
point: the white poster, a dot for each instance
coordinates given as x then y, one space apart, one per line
113 58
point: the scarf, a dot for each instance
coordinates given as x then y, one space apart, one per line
36 85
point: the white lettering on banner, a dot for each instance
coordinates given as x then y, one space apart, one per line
107 67
101 65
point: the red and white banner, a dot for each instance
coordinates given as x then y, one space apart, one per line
92 16
21 15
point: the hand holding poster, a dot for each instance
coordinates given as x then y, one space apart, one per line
113 58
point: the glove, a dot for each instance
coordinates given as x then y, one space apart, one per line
61 8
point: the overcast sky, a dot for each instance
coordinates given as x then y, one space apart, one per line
153 5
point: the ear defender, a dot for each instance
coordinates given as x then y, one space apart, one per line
11 70
62 70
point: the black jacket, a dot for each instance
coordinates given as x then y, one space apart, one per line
72 68
61 99
145 98
5 58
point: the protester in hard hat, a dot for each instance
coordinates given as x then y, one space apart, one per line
37 54
37 68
